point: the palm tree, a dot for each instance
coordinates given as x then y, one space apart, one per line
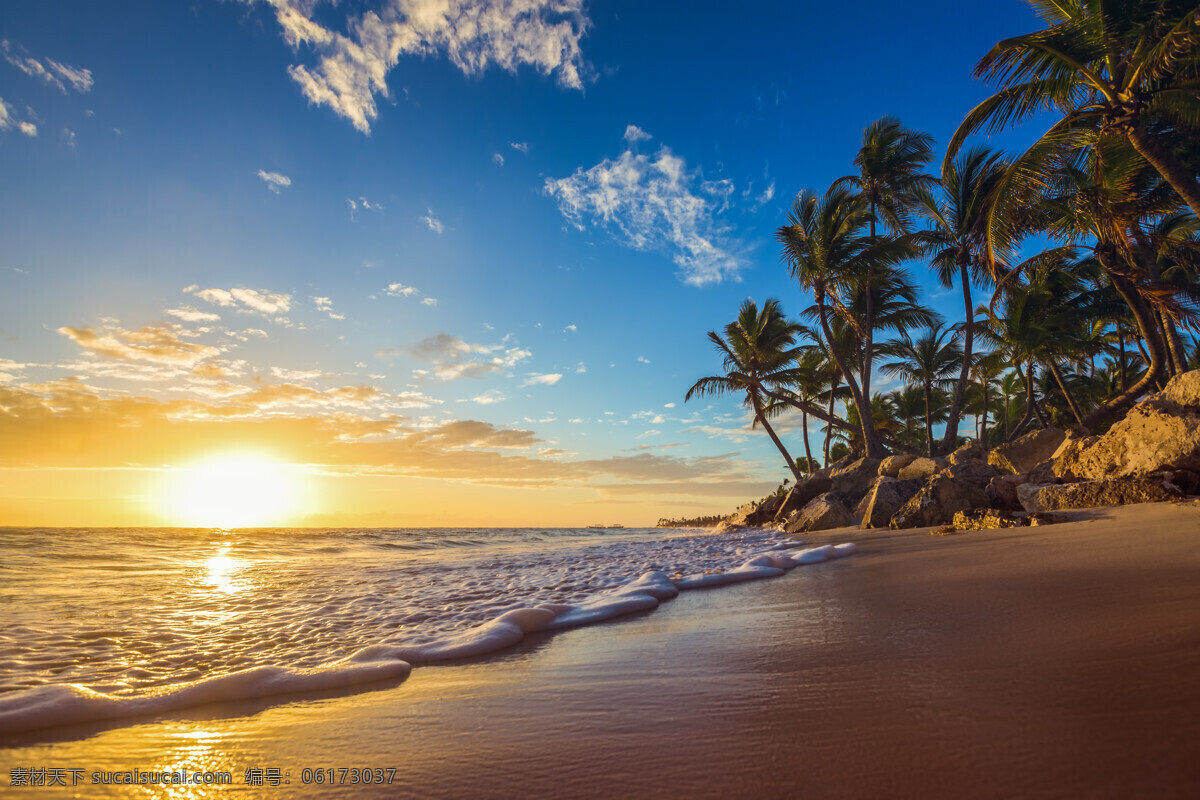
889 174
909 404
956 243
758 348
825 251
929 362
1113 68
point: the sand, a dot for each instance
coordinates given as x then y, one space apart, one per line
1059 661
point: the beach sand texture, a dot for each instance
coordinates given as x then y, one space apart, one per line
1059 661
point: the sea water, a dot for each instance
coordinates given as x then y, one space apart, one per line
113 623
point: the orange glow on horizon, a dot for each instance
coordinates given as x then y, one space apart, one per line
234 490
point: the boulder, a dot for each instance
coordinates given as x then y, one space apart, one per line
974 471
971 451
1067 455
1026 452
802 493
822 512
937 502
922 468
892 465
1160 433
852 480
1091 494
1001 492
885 497
741 513
765 512
984 519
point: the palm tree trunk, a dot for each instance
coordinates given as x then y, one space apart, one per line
829 425
1174 344
1031 405
762 420
1121 345
1174 172
807 449
1145 320
983 427
1062 385
871 442
929 420
950 440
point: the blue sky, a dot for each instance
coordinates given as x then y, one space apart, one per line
496 230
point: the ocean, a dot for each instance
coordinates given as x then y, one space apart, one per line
112 623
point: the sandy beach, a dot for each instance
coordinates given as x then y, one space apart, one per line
1054 661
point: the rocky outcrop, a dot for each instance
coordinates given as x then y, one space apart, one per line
984 519
1026 452
971 451
1090 494
763 513
922 468
1001 492
890 467
938 501
823 512
1160 433
973 471
802 494
885 497
852 480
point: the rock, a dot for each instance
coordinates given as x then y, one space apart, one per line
1091 494
971 451
937 502
885 497
802 493
852 480
765 512
1160 433
1042 473
738 517
1001 492
1026 452
974 471
1187 481
922 468
823 512
984 519
891 466
1067 455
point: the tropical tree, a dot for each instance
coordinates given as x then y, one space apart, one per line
757 351
929 361
1125 69
956 243
826 252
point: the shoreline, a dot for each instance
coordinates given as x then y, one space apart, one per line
1056 661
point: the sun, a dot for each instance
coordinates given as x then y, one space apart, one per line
233 490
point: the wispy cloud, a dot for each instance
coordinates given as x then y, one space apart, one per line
433 222
362 203
189 314
274 180
400 290
54 73
352 68
454 359
29 129
490 397
326 305
498 159
538 379
635 134
522 147
10 120
158 344
259 301
429 301
654 204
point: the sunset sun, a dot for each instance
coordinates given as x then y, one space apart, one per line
233 491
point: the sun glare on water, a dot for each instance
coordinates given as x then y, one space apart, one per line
233 491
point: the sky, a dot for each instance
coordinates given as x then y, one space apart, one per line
400 263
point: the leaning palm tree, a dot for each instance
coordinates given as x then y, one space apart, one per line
1127 69
758 349
956 245
929 361
826 252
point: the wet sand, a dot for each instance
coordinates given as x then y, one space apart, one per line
1059 661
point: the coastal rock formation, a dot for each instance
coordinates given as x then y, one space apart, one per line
1089 494
922 468
885 497
852 480
1160 433
973 450
1026 452
983 519
937 502
973 471
803 493
890 467
1001 492
823 512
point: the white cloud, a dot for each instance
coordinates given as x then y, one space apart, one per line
27 128
498 159
580 368
7 117
352 68
157 344
52 72
654 204
522 147
269 304
489 398
433 222
429 301
643 360
189 314
453 359
538 379
296 374
362 203
400 290
570 328
668 405
68 136
635 134
326 305
274 180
